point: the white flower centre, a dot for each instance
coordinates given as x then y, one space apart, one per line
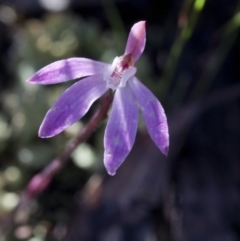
121 70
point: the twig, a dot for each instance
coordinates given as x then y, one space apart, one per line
41 180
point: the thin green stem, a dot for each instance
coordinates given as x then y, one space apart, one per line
219 55
181 40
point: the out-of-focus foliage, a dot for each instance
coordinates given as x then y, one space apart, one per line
192 51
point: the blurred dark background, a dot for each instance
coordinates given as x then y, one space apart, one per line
191 63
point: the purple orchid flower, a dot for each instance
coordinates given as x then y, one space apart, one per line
130 93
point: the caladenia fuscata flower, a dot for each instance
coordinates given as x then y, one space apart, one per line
129 94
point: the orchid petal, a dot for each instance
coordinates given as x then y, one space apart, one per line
72 105
121 129
136 40
153 114
68 69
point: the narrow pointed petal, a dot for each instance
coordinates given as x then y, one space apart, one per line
72 105
153 114
67 69
136 40
121 129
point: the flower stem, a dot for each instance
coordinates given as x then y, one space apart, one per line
187 23
41 180
229 36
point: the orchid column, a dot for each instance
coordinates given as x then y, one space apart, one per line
129 94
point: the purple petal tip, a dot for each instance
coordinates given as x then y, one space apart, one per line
42 135
31 80
143 23
111 173
165 150
110 165
136 40
46 132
